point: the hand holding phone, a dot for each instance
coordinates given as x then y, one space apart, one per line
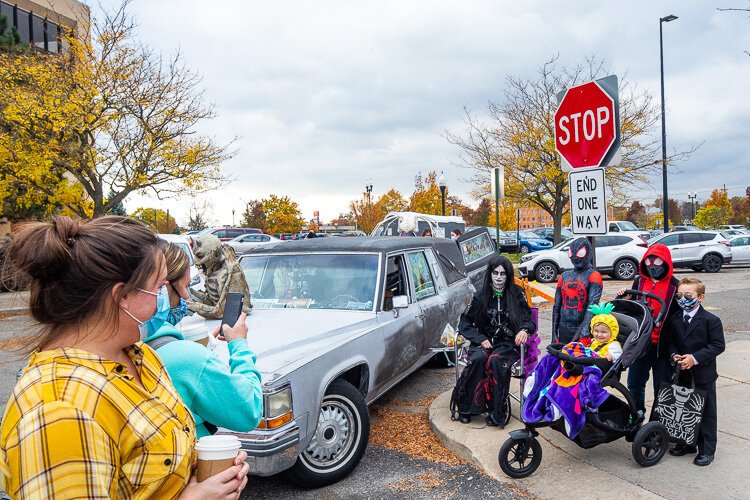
232 308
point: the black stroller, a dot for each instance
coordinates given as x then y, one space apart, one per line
521 454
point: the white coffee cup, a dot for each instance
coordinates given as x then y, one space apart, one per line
216 454
197 332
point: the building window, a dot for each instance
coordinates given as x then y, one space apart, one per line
22 23
52 36
7 11
37 31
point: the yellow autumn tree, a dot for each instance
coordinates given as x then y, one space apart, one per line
716 211
391 201
426 198
507 211
519 136
106 119
158 220
282 215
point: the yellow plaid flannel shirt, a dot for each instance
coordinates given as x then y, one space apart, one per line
78 426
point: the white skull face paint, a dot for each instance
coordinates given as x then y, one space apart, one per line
499 277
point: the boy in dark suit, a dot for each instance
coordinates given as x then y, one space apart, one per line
697 338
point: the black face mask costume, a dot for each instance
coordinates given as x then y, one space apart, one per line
656 267
580 253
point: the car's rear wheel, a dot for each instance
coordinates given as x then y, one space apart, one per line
712 263
339 441
525 249
546 272
625 269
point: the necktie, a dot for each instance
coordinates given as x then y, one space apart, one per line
686 320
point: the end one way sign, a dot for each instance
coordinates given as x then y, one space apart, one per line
588 205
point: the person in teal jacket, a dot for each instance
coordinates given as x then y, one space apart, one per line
217 394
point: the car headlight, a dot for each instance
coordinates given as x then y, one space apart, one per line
526 258
277 407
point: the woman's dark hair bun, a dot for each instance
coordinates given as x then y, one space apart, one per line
43 250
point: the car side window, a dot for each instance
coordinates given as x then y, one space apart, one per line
264 238
220 233
613 227
395 280
688 237
740 242
672 239
421 275
707 237
603 241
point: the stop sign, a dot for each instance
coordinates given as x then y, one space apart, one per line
585 125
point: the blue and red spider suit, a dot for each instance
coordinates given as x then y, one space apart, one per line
576 290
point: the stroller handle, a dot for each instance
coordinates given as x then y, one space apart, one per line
662 309
556 351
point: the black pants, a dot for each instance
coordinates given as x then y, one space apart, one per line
707 435
486 380
639 372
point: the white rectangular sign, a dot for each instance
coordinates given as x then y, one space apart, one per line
588 204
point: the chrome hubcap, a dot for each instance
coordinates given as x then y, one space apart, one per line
334 435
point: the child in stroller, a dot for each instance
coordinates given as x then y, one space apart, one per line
607 417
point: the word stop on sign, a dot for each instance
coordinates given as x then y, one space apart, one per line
591 124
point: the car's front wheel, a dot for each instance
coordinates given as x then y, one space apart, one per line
625 269
339 440
546 272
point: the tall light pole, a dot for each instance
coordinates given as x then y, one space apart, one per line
368 189
665 195
232 217
441 183
692 196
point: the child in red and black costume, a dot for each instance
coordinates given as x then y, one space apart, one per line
655 277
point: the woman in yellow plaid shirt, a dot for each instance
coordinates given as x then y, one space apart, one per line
94 414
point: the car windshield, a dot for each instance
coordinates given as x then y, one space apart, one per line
529 235
627 226
315 281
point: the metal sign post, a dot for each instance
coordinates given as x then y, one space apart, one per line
498 192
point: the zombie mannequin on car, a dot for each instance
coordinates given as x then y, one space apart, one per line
223 275
577 289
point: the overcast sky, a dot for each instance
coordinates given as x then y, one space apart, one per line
325 95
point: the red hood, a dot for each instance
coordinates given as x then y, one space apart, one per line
658 250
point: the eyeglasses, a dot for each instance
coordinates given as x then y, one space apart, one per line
687 296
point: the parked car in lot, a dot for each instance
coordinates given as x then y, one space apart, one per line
182 241
740 246
627 227
229 233
336 323
616 255
698 250
245 242
730 233
507 243
548 233
676 229
532 242
732 226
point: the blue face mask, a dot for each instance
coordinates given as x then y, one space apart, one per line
177 313
148 328
687 305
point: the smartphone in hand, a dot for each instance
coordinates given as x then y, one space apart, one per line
232 308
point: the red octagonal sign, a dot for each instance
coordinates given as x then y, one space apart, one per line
585 127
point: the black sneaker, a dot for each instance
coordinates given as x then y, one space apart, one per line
491 422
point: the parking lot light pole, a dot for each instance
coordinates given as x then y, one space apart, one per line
665 198
232 217
692 196
441 183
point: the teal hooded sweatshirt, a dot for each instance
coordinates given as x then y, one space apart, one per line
226 396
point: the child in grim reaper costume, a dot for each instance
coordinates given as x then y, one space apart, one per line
577 289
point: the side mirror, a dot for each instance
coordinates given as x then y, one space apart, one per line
400 302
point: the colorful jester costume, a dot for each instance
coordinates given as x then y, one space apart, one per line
576 290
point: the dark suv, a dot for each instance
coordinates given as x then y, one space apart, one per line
230 233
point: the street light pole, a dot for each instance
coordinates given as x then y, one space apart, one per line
665 195
692 196
232 217
441 183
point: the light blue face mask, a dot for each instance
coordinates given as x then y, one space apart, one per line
177 313
148 328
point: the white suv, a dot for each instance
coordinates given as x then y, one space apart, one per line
616 254
698 250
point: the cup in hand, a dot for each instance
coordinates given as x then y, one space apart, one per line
216 453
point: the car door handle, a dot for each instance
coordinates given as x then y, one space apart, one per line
421 316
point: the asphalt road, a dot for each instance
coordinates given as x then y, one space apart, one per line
387 473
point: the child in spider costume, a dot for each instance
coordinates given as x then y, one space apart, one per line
655 277
576 290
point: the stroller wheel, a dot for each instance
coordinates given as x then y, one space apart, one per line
520 457
650 444
506 410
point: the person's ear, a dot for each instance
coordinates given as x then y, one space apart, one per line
117 296
701 297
